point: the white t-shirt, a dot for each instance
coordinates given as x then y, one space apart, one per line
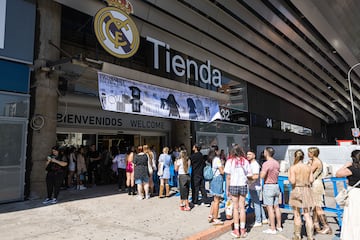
120 160
255 168
179 162
216 164
239 169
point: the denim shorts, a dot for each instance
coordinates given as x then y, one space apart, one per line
216 186
144 179
271 194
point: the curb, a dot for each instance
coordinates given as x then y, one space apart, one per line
216 231
213 232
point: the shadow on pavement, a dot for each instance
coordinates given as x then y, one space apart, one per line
65 195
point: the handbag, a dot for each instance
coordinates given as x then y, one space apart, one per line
342 198
150 168
160 169
208 172
229 209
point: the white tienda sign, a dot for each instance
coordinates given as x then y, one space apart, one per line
2 22
123 95
179 66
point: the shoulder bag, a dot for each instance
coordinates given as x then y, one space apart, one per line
343 196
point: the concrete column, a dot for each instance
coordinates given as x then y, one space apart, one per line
45 94
180 134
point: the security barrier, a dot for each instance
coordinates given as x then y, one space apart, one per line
286 188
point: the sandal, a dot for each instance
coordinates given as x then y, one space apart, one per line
187 208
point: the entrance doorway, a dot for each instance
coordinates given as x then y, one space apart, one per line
104 141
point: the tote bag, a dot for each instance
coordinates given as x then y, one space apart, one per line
343 196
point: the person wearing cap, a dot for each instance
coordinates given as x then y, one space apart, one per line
55 174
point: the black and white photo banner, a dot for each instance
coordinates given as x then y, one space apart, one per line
123 95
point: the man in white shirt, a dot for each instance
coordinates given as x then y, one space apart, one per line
255 190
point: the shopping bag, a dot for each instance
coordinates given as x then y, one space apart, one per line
342 198
229 209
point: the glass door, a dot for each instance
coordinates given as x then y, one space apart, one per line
12 158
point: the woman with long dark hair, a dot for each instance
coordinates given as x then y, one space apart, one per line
216 184
350 222
237 169
130 181
55 174
141 173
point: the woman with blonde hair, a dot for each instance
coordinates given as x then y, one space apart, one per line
182 165
150 154
301 197
318 192
164 169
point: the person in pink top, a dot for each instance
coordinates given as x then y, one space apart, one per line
271 193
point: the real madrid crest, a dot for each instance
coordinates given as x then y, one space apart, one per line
115 30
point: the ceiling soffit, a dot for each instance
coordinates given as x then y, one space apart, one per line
294 49
272 40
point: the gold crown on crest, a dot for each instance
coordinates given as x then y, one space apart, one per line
124 5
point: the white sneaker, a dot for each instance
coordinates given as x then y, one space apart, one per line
46 201
265 221
147 197
82 187
138 197
269 231
279 229
53 201
257 224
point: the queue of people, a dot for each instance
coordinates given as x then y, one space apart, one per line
242 175
306 198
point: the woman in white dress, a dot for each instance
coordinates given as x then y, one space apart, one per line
350 229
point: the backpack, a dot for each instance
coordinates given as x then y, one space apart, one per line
208 172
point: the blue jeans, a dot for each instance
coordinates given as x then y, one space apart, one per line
259 210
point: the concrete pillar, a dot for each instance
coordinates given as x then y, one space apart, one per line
45 94
180 134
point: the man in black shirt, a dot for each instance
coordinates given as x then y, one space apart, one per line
94 162
197 178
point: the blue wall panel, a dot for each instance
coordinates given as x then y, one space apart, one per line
14 77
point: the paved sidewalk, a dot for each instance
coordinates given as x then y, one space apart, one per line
287 233
103 213
100 213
